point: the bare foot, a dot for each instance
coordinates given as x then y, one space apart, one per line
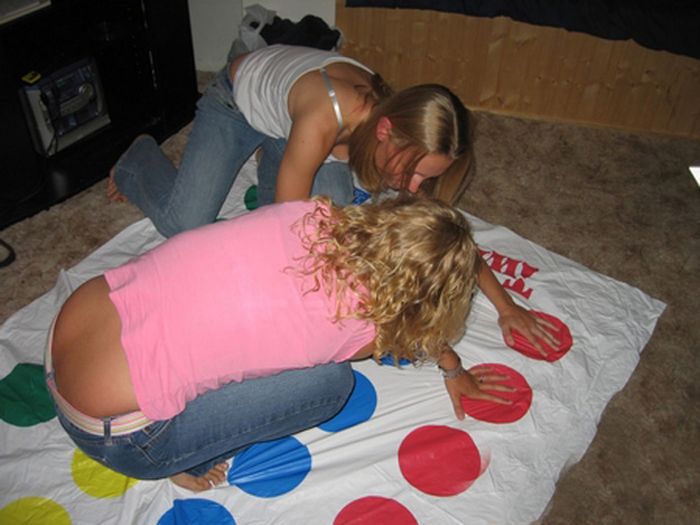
211 479
113 192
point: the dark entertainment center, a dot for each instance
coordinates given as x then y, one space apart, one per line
79 79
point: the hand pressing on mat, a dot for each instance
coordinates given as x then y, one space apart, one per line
557 344
475 383
536 330
513 317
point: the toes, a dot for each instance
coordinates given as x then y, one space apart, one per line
113 192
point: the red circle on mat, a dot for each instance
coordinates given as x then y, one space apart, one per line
493 412
439 460
372 510
561 332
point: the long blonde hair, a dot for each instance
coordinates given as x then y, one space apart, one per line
409 265
425 119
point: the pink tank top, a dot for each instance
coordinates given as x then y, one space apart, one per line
215 304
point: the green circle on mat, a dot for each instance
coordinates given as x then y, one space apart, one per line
24 399
251 197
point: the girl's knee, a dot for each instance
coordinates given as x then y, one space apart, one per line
339 379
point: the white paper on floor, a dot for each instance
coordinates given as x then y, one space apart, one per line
395 455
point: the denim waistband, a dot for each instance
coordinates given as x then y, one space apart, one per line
227 76
118 425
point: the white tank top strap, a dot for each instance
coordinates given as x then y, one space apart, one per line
333 97
265 77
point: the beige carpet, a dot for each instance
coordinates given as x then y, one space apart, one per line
624 205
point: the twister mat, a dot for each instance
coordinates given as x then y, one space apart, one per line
395 455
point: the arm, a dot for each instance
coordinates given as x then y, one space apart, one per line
306 150
459 382
313 134
364 352
473 383
511 316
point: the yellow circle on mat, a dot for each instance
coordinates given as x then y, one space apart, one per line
98 481
34 510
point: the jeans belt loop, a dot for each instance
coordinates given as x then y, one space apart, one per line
107 425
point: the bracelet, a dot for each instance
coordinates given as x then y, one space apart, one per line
453 373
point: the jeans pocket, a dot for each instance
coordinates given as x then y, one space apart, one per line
149 435
160 448
218 93
93 446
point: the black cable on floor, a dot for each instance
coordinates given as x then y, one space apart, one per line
10 257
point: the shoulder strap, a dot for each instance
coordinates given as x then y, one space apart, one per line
333 97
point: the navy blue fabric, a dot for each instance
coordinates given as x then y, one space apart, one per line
669 25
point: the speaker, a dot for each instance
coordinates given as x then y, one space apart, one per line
63 106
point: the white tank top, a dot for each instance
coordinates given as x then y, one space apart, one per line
265 77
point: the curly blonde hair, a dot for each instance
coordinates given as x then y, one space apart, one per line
425 119
408 264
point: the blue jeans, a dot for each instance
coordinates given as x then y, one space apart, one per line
333 179
220 142
221 423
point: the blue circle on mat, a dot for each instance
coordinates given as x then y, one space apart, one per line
196 511
359 408
388 359
272 468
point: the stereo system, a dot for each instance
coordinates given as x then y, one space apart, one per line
79 79
63 106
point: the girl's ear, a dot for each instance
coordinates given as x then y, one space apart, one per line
383 129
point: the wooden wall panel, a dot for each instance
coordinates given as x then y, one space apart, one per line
497 64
